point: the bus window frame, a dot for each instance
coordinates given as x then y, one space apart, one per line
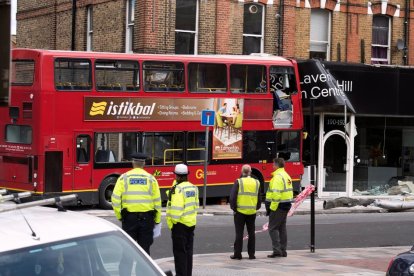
146 89
224 91
13 72
263 90
20 128
78 60
138 79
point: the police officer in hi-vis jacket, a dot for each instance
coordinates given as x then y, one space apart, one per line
137 203
182 208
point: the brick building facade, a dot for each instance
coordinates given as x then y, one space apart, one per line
286 30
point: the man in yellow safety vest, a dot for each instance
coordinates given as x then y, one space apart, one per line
244 201
279 197
182 208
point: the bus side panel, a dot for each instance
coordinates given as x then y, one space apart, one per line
14 169
53 171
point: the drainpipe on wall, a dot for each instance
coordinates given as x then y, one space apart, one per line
280 17
73 25
346 32
406 30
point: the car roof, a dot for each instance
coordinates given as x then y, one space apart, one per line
49 225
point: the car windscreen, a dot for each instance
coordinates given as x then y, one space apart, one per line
107 254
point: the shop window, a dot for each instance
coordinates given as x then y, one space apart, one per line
253 29
320 32
186 26
381 34
207 77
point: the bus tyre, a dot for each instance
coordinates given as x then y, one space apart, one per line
105 192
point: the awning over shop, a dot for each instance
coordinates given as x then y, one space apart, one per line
320 86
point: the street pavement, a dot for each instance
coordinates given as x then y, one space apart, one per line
342 261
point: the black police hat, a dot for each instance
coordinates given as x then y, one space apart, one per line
139 156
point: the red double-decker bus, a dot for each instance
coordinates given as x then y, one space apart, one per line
75 118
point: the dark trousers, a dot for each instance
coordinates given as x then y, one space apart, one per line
239 221
277 230
183 240
140 227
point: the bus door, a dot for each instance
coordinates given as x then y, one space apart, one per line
82 163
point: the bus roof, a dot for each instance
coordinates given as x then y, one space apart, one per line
254 58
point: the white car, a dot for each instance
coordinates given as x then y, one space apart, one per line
45 241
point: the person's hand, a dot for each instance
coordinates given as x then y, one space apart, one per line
267 206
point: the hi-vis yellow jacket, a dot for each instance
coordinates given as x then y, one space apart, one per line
182 208
137 191
247 195
280 189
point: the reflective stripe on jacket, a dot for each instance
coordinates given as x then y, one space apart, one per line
247 195
137 191
182 208
280 189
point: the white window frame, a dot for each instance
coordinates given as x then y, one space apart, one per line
129 27
388 46
327 43
195 32
263 28
89 31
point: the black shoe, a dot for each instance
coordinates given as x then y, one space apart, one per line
276 255
234 257
252 257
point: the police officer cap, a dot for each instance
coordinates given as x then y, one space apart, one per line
138 156
181 169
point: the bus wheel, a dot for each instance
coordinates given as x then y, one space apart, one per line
105 192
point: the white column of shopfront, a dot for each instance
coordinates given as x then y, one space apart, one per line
321 177
351 159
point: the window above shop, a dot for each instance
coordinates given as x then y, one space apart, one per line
186 27
253 29
381 36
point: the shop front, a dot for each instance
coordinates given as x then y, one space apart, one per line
366 152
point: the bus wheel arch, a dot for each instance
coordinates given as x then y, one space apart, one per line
105 191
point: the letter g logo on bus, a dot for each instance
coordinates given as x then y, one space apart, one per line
199 174
98 108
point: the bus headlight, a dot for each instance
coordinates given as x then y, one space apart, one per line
35 175
35 184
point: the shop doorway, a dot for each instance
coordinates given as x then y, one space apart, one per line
334 175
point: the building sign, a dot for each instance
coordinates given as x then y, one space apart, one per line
144 109
321 87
